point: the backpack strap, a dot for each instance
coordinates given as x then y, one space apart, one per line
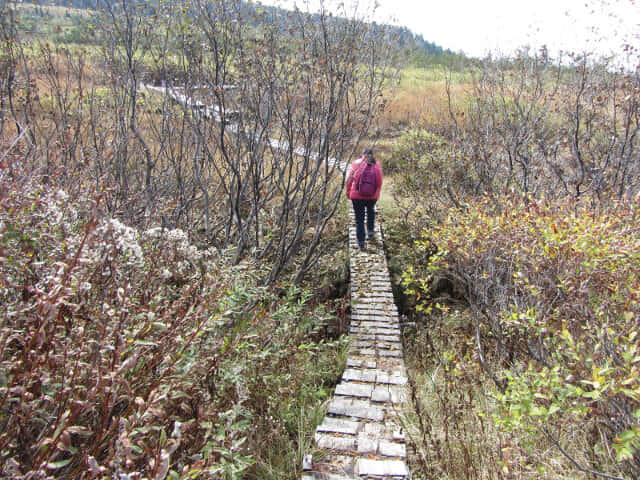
359 172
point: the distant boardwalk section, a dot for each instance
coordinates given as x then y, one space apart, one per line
213 113
362 436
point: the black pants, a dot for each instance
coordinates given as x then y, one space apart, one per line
360 207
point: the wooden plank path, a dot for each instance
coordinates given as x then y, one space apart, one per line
212 112
362 436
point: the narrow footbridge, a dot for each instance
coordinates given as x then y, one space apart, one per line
362 436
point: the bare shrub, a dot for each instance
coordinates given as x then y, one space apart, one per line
287 102
536 127
253 167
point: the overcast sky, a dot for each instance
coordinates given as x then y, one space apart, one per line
477 27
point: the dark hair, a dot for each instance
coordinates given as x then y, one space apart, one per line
368 152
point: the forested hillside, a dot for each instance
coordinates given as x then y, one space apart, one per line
174 276
255 13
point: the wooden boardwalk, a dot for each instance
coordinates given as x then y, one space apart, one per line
362 435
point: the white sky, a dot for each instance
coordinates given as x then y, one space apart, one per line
477 27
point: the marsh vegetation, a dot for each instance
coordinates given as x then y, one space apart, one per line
174 289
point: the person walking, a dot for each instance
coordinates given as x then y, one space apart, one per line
364 181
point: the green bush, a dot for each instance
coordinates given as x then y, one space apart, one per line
429 174
553 289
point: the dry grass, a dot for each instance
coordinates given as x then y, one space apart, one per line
421 99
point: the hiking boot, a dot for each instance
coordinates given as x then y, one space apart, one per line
361 247
371 236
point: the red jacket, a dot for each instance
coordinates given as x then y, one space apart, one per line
352 193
